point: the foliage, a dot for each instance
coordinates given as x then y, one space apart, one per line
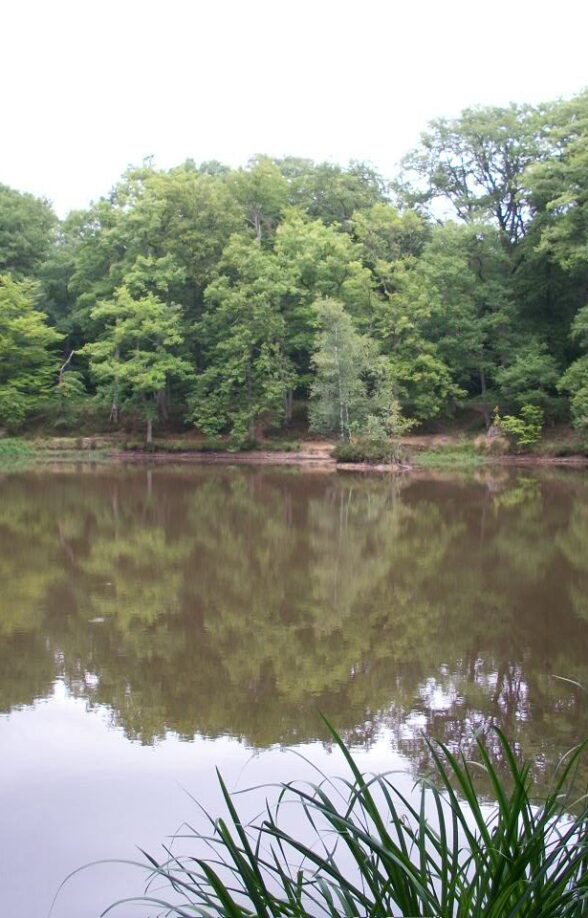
525 430
488 308
137 353
353 392
530 377
28 367
14 452
462 455
27 227
369 450
575 379
248 371
477 162
367 849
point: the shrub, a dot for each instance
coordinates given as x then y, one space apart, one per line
523 431
370 451
247 445
491 446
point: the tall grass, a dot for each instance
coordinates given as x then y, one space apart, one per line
14 452
454 456
367 849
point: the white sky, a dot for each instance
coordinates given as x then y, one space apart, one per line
89 86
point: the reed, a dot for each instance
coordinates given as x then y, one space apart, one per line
366 849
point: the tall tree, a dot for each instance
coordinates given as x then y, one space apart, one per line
247 372
352 391
558 186
321 262
476 163
137 353
329 192
28 362
27 225
262 192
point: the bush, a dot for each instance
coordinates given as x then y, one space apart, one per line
210 445
491 446
281 446
566 448
523 431
370 451
247 445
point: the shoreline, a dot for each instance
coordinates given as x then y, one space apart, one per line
422 453
327 462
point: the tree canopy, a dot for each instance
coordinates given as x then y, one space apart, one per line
464 283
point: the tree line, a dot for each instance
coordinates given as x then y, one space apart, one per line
219 297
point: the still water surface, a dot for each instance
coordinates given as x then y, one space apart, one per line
157 623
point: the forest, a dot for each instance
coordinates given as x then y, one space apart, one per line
225 300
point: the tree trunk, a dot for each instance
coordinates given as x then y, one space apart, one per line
485 409
256 221
64 367
288 401
114 406
149 429
251 426
161 399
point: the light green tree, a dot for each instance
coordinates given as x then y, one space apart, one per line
352 391
137 353
321 262
28 362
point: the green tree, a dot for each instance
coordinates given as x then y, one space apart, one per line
575 379
137 353
386 235
28 363
558 186
321 262
27 225
247 373
352 391
476 163
262 192
529 378
329 192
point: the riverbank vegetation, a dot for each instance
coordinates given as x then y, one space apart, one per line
219 299
362 847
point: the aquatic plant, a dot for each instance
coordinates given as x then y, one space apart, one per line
369 850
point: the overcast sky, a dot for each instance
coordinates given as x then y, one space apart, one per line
89 86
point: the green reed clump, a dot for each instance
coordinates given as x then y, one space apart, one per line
13 447
454 456
369 850
370 451
15 452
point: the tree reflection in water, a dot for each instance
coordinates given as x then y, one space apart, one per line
244 601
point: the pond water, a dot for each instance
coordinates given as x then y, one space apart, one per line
156 623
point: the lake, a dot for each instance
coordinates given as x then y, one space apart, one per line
156 623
